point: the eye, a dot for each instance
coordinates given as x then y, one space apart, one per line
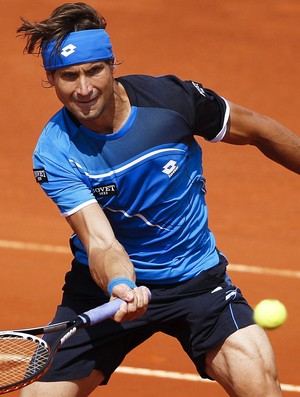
95 70
69 76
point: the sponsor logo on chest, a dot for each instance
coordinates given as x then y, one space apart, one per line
105 190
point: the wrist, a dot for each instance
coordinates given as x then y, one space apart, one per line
120 280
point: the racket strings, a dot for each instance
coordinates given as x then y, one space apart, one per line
21 358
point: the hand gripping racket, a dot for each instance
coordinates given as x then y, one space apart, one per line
24 357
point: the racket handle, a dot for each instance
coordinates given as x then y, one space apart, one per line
102 312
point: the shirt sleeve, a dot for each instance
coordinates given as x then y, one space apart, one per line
211 112
63 182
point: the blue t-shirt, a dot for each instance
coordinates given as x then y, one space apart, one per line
147 177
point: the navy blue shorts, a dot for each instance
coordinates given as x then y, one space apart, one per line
200 313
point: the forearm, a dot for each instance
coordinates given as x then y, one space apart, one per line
273 139
109 264
107 258
280 145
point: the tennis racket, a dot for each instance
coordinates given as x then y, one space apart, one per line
24 357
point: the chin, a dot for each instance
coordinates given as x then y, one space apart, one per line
88 115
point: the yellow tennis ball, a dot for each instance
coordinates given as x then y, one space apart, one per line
270 313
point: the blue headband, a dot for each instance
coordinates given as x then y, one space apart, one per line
78 47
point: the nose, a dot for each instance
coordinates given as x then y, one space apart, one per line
84 87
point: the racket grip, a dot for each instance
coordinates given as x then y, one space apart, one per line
102 312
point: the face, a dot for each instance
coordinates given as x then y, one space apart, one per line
86 90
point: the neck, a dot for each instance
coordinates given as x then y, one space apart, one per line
122 107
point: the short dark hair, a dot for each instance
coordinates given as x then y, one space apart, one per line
67 18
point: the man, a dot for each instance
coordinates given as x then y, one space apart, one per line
121 163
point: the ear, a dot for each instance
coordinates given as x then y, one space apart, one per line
50 78
113 66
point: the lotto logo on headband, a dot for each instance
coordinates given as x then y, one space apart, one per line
68 50
85 46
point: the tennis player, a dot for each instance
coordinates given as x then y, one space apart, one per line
121 163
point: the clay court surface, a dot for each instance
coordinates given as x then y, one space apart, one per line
248 52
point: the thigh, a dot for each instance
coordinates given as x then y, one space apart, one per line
245 364
210 319
78 388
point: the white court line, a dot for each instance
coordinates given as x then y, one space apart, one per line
59 249
19 245
264 270
182 376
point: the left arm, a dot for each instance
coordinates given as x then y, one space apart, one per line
277 142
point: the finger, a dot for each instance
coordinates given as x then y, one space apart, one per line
124 292
142 296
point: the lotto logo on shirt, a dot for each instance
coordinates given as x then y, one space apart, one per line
105 190
40 175
170 168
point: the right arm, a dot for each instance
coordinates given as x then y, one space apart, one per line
108 259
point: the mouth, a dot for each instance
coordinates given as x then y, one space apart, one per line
88 102
85 106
